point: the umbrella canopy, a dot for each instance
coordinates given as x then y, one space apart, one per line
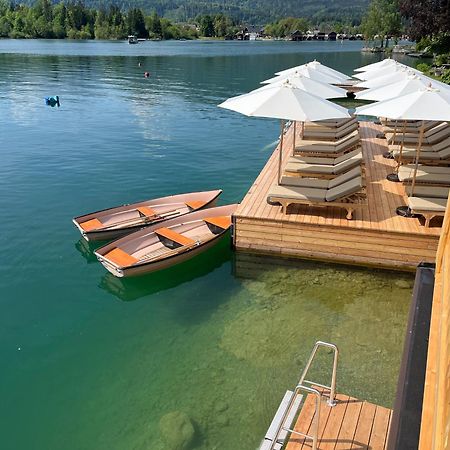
323 90
424 104
386 79
284 101
392 68
316 65
412 83
378 65
307 72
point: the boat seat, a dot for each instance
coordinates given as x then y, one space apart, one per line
195 204
146 211
174 236
223 222
91 224
120 258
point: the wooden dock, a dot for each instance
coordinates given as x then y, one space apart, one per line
376 236
350 424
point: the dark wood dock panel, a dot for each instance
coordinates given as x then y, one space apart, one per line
376 236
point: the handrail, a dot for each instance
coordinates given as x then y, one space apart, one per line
315 425
301 387
332 387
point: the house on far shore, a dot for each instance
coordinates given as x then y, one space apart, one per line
248 33
297 36
332 36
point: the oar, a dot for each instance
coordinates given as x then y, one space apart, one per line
141 219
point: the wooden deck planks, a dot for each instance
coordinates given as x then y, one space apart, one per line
350 425
378 217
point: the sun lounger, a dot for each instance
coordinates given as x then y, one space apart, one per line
411 127
331 134
324 160
338 165
348 195
432 136
426 148
431 191
425 174
392 123
320 183
426 157
343 145
332 123
427 207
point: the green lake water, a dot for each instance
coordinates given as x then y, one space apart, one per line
94 362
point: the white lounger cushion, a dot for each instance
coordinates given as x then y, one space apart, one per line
426 169
298 193
442 154
432 137
344 190
431 191
427 204
325 161
426 148
324 169
337 123
406 173
329 147
317 183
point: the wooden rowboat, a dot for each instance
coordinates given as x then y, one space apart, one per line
113 223
158 247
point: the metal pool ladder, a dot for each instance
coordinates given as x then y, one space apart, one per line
282 422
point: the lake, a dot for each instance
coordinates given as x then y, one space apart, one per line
94 362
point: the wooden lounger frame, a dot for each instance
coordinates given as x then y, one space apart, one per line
349 203
428 215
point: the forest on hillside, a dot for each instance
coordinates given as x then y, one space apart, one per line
257 12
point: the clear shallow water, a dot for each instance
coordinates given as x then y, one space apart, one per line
93 362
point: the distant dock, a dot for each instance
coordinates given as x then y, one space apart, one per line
375 237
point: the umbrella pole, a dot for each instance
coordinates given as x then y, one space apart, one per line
394 176
293 142
419 147
280 151
404 210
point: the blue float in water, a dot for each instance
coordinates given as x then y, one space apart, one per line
52 101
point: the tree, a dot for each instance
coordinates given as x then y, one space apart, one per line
427 18
136 23
154 25
59 21
206 25
383 20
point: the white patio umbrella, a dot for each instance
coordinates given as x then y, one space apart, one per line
323 90
411 83
316 65
285 102
424 104
378 65
367 76
319 88
307 72
381 71
386 79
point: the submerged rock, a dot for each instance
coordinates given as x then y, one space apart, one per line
403 284
177 430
